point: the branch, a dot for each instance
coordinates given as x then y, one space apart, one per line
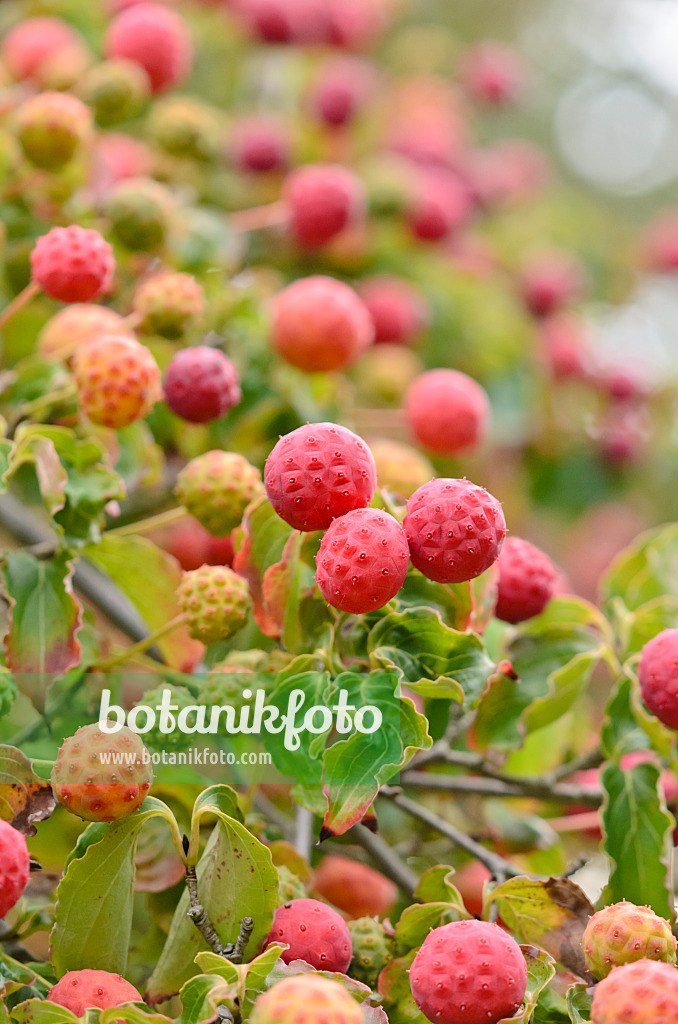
506 786
198 915
387 859
501 869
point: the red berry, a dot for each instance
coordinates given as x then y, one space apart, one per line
470 880
320 325
354 888
317 473
440 205
455 530
79 991
118 380
550 282
87 781
73 264
201 384
14 867
658 677
33 43
527 580
286 21
314 933
323 199
362 561
342 89
398 312
192 546
562 341
447 411
468 972
493 74
645 992
155 38
260 145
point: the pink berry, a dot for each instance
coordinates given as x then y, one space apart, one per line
201 384
73 264
342 89
33 43
661 243
658 677
323 200
317 473
398 312
79 991
155 38
441 204
447 411
562 341
550 282
494 74
14 867
455 530
355 24
286 21
641 993
526 581
314 933
468 972
362 561
320 325
260 145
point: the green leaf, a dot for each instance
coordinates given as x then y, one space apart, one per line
6 450
24 797
579 1001
636 628
288 591
236 879
565 686
93 917
417 920
44 621
637 832
429 656
394 987
256 975
540 970
75 477
646 570
202 996
40 1011
264 539
355 768
437 884
305 761
132 1013
126 560
15 976
552 915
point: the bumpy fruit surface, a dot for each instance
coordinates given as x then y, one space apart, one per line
63 334
306 999
362 561
400 468
118 380
447 411
658 677
319 324
139 210
645 992
323 199
180 700
623 933
527 580
398 312
78 991
468 972
372 950
356 889
317 473
455 530
155 38
201 384
14 867
314 933
168 304
51 128
216 488
115 90
73 264
89 785
215 601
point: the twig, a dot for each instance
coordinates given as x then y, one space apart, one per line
224 1014
513 786
593 759
259 217
155 522
387 859
303 832
198 915
141 647
501 869
19 301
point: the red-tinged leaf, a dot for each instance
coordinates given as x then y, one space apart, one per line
34 448
44 621
149 577
24 797
157 863
264 538
281 585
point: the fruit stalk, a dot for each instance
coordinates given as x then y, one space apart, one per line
140 647
258 218
18 302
